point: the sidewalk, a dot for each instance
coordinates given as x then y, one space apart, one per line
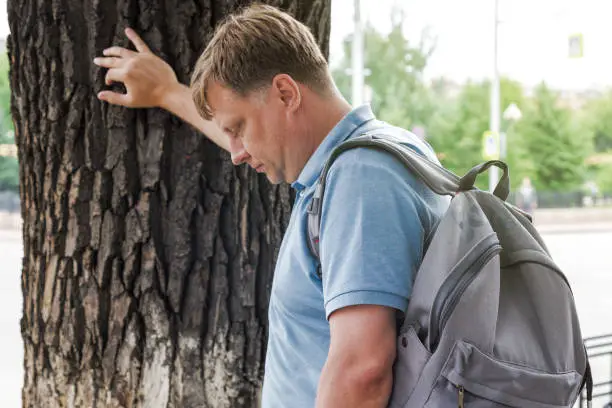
10 221
546 220
569 228
573 220
558 216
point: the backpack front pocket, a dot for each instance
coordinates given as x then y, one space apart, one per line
412 356
474 379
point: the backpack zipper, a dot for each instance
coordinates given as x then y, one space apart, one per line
461 395
457 282
465 281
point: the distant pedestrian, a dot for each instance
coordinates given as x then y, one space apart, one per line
527 197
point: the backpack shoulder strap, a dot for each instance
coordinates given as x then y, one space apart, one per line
436 177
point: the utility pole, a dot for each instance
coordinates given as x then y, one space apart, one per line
357 51
494 120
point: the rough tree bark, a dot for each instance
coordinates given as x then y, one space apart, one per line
148 257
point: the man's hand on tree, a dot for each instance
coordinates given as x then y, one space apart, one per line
147 78
151 83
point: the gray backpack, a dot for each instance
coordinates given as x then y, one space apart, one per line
491 321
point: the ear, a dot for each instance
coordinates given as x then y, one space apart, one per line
287 90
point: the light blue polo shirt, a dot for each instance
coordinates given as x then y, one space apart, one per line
374 222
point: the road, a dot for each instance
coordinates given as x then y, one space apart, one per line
11 303
585 257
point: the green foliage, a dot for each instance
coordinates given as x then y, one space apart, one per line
9 167
596 119
6 122
603 178
557 151
456 129
395 66
517 154
519 158
9 174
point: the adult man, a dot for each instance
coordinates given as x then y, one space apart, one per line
263 81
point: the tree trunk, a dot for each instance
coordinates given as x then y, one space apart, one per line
148 257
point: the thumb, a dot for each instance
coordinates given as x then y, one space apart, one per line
114 98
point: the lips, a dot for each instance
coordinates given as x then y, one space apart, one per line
260 168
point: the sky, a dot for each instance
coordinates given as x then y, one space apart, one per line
533 37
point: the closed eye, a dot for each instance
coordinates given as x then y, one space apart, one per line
237 131
233 131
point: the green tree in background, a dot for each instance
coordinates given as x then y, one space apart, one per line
549 144
395 67
556 149
517 154
597 121
9 167
6 123
457 128
603 177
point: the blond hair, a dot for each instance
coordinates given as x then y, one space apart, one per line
251 47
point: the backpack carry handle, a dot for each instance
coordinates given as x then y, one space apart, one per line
502 190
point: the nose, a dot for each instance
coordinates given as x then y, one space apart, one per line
237 151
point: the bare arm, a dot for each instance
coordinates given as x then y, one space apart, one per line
151 82
178 101
358 372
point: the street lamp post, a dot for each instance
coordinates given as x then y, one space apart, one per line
494 118
511 115
357 56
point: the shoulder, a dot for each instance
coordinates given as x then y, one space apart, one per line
376 182
371 180
364 163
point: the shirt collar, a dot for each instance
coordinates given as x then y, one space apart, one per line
342 131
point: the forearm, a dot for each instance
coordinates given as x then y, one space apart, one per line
179 102
355 387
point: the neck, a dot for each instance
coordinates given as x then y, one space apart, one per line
335 110
319 116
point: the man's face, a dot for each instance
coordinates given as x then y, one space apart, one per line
256 126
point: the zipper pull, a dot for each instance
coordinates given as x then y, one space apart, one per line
461 395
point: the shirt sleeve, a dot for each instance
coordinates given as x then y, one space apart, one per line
372 233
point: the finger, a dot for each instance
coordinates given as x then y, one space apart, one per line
109 62
114 75
115 98
140 45
118 52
